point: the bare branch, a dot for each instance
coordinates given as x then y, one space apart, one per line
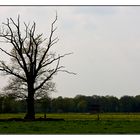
67 72
7 53
50 42
49 77
55 59
9 71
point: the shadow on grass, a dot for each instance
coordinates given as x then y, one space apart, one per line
26 120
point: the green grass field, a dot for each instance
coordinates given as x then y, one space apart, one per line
75 123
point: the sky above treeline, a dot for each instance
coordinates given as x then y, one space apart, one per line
105 41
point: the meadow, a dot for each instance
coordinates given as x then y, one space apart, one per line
74 123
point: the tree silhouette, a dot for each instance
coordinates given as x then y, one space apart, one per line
32 61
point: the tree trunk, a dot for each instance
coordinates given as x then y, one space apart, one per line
30 115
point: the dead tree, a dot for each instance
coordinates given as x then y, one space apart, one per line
32 60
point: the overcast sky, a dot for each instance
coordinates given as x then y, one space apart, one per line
105 41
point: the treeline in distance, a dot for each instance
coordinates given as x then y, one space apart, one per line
80 103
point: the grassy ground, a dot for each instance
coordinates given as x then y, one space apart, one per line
74 124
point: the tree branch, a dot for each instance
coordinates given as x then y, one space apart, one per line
6 69
49 44
49 77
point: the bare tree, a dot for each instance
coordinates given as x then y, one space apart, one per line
33 62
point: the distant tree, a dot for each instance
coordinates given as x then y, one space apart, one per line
81 103
69 105
109 104
103 102
1 103
113 104
45 105
57 104
127 104
21 106
32 61
137 103
82 106
9 104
